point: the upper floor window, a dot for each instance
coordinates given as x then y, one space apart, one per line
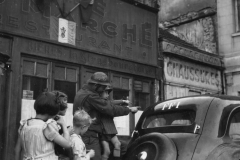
237 15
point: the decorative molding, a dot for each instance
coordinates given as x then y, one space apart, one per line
188 17
191 54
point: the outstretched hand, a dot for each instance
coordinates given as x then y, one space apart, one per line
134 109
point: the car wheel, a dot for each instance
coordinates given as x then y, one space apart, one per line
153 146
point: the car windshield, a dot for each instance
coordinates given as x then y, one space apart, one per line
163 119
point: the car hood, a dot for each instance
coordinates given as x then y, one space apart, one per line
185 144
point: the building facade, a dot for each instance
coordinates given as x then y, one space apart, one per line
120 39
192 64
229 37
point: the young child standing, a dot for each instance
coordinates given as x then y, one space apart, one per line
60 151
37 135
81 123
109 129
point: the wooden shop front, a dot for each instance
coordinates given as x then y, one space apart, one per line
119 39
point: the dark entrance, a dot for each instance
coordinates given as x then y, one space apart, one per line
3 92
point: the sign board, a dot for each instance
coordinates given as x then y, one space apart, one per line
62 53
122 125
115 28
28 111
190 74
27 94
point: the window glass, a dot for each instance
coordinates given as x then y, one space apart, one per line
35 84
237 14
142 100
28 67
163 119
121 90
116 81
234 128
35 78
120 94
142 94
66 81
68 88
41 69
59 72
71 74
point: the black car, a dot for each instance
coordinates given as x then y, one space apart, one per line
190 128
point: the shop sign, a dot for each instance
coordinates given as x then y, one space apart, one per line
116 28
190 74
195 55
82 57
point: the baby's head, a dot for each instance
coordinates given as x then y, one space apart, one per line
106 92
62 97
81 121
47 103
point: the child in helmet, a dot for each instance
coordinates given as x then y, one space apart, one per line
109 129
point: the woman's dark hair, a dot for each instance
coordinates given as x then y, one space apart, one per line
62 99
47 103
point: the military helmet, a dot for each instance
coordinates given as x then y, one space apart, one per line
99 78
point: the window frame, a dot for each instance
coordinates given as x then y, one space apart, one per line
66 66
237 15
35 60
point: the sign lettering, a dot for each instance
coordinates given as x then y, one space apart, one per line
131 35
186 73
169 105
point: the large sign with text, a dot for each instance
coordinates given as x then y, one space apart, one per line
190 74
68 54
116 28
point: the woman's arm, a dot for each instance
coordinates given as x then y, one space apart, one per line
18 149
52 134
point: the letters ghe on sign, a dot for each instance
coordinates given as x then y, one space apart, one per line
115 27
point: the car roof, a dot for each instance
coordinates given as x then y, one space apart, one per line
207 96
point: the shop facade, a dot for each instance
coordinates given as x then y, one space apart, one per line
188 70
120 39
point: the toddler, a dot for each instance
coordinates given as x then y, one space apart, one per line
109 130
81 123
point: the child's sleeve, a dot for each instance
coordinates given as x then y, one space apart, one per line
79 149
22 123
51 131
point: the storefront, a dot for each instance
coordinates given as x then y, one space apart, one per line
188 70
120 39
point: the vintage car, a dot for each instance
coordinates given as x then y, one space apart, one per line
203 127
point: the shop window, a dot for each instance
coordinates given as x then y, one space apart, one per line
122 90
65 80
142 94
35 78
121 87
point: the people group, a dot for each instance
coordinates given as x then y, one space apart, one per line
93 134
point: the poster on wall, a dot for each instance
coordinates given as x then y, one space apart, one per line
122 125
29 112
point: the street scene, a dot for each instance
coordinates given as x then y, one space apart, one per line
119 80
